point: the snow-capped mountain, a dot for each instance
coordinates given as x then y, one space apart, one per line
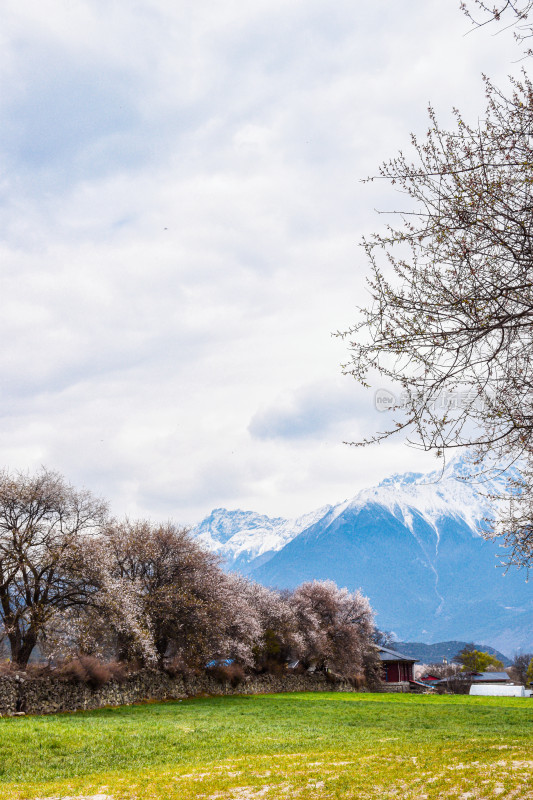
412 544
243 538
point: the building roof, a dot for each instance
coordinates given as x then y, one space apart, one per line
419 684
491 677
386 654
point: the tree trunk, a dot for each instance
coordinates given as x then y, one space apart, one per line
161 646
22 646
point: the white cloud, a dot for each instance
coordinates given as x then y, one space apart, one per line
181 208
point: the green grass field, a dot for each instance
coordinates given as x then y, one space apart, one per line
276 746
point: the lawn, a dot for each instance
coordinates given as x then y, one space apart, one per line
286 746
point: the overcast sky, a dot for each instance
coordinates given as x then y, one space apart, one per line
181 212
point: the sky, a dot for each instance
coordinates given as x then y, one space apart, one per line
181 211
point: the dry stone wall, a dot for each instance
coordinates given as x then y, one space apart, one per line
9 687
47 695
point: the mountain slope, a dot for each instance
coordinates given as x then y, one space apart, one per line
412 545
436 653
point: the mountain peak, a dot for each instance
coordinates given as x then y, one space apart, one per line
404 478
461 467
241 536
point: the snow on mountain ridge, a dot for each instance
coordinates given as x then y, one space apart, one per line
452 491
432 500
242 536
222 524
245 534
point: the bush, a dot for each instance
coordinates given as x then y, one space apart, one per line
227 673
177 668
357 682
299 669
373 671
120 670
275 668
92 672
455 684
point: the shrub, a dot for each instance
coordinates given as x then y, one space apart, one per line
455 684
120 670
227 673
299 669
92 671
177 668
357 681
275 668
373 671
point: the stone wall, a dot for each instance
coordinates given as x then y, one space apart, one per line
8 694
403 686
46 695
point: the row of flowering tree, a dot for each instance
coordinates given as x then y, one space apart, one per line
74 581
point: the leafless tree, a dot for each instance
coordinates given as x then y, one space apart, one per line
383 638
42 519
518 669
453 679
515 520
441 670
450 316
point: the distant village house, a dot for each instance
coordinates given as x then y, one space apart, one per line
397 669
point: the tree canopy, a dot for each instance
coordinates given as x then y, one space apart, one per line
476 660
